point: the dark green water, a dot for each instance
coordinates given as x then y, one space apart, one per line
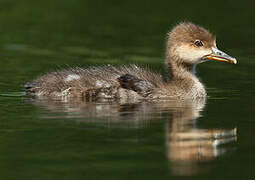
77 140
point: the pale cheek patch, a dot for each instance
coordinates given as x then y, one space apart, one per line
191 54
71 77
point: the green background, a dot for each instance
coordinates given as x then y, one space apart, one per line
39 141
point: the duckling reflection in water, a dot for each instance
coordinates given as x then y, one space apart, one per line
188 147
188 45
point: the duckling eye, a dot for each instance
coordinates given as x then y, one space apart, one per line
198 43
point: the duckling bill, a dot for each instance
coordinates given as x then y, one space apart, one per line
187 46
218 55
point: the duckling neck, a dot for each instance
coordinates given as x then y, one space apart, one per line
183 76
179 70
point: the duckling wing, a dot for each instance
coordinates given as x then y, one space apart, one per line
136 84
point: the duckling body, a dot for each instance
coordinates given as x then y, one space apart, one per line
187 46
126 82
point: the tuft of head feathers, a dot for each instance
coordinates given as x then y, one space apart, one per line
187 32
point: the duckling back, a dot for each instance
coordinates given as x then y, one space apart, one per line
126 82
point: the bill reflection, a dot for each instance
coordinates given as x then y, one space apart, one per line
189 147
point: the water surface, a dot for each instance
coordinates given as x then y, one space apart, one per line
42 139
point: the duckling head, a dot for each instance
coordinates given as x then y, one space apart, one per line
191 44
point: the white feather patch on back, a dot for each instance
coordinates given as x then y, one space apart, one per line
100 84
71 77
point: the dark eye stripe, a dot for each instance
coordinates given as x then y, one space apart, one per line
198 43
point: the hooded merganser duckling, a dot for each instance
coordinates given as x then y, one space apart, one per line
187 45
